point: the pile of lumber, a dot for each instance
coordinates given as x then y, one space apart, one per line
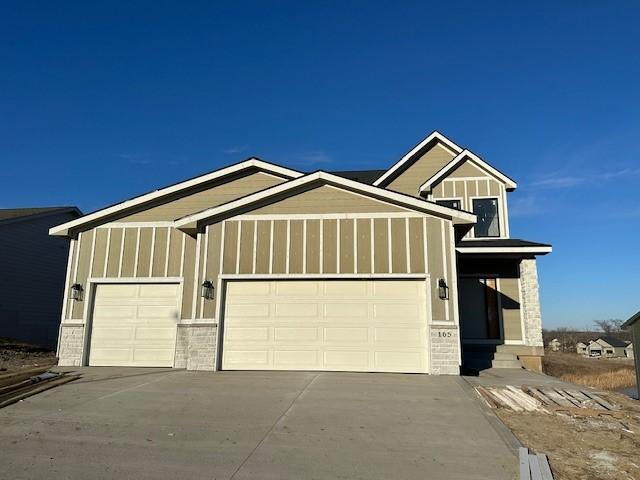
20 385
545 399
534 467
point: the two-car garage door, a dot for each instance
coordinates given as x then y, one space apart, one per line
348 325
340 325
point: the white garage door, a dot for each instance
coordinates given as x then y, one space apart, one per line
134 325
354 325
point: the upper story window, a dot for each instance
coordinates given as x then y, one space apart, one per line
486 209
450 203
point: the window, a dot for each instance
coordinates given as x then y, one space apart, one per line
488 224
450 203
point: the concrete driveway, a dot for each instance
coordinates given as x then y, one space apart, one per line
169 424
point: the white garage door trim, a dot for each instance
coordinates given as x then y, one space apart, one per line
90 293
225 278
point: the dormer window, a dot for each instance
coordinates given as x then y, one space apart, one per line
486 209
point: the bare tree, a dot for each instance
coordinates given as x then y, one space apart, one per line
609 326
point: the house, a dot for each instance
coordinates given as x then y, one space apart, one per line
581 348
256 266
628 350
594 349
554 345
33 266
633 324
612 346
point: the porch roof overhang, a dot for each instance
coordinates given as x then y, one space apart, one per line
504 247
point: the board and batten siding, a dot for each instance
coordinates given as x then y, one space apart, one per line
130 252
330 245
425 167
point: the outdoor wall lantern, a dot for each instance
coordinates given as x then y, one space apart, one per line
206 291
76 291
443 289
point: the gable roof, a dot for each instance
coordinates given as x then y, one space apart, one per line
632 320
462 157
191 222
250 163
19 214
364 176
432 138
613 341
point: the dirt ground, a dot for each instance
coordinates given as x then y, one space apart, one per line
582 447
17 356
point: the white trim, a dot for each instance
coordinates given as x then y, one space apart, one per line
183 252
503 194
337 246
454 285
326 216
196 278
321 266
286 268
65 303
462 157
135 280
255 246
64 228
456 149
93 250
355 246
158 224
191 221
373 245
153 250
389 246
166 257
425 252
270 247
222 240
539 250
121 259
106 253
238 240
135 261
304 246
407 244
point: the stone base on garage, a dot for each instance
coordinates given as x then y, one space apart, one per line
445 350
196 347
71 345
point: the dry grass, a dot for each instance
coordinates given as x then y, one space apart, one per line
605 374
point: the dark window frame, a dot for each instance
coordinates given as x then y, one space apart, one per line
440 201
497 216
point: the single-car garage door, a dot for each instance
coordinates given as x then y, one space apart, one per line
344 325
134 325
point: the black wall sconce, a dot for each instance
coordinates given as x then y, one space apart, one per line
206 290
443 289
76 291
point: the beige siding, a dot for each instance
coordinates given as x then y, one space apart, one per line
510 304
189 272
114 252
398 246
421 170
313 246
159 252
329 246
144 252
279 254
381 245
436 251
175 253
468 169
296 246
263 247
82 271
246 247
212 196
326 199
363 231
99 253
212 268
416 239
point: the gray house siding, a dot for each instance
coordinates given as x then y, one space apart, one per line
33 266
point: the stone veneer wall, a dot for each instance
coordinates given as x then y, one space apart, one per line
445 350
196 347
71 345
530 303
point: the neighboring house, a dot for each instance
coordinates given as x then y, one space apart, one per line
612 346
260 267
581 348
633 324
554 345
628 351
594 349
33 273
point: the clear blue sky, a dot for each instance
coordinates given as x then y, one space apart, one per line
100 101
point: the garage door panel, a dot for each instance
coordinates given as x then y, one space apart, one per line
137 328
358 325
296 334
248 288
